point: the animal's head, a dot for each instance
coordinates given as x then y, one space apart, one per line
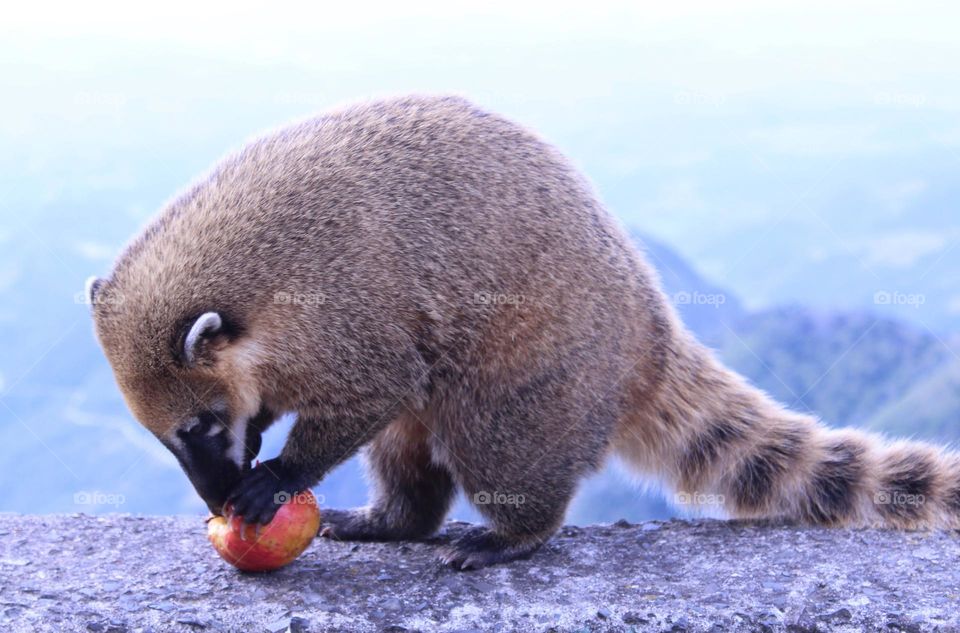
188 374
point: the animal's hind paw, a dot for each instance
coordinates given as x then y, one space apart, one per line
362 525
481 547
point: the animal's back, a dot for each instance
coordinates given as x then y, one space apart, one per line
411 213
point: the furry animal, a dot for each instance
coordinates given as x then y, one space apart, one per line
434 283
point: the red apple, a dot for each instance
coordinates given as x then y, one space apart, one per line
272 546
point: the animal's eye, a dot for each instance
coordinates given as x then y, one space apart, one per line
218 414
206 424
208 420
197 425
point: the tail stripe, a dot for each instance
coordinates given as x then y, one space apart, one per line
835 483
906 484
953 498
707 448
757 477
705 430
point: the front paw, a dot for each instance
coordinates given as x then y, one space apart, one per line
262 491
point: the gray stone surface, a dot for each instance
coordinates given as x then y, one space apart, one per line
120 573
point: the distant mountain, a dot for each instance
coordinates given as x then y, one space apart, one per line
785 229
849 368
843 367
708 309
929 409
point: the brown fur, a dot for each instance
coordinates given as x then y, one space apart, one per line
460 302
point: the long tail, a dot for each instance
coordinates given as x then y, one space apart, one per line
718 442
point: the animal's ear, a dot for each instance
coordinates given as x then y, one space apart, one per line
91 289
207 328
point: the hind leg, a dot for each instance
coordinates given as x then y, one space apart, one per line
519 462
515 531
411 494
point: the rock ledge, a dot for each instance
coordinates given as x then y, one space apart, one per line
121 573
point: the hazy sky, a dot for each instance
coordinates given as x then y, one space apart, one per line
792 151
833 128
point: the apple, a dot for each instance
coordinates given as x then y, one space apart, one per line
271 546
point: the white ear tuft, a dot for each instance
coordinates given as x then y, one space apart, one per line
90 289
205 325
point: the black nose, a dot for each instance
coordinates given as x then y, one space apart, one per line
214 482
216 507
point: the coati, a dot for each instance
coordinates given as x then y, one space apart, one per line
437 285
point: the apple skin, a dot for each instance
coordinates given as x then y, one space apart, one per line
279 542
